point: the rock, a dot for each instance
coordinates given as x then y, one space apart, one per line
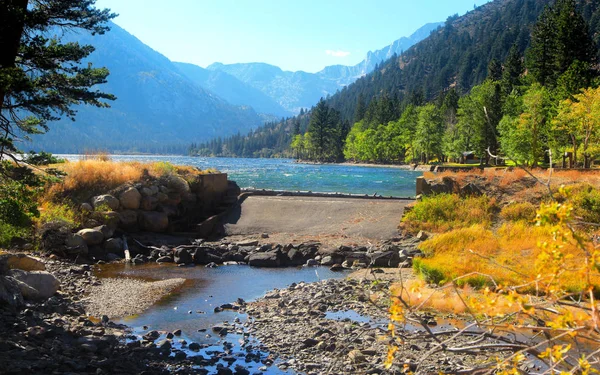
161 197
470 189
180 356
21 261
130 198
86 207
128 219
327 260
10 293
178 184
264 235
106 230
220 329
153 221
44 283
149 203
194 346
389 258
268 259
113 245
309 343
91 236
105 201
356 356
183 256
422 235
76 244
248 243
312 263
336 267
164 345
241 370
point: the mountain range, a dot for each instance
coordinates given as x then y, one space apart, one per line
161 105
297 90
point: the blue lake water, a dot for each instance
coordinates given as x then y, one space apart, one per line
286 174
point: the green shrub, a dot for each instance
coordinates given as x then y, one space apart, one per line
8 232
586 202
439 213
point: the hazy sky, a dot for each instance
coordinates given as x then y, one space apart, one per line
292 34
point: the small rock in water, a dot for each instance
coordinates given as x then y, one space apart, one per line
177 332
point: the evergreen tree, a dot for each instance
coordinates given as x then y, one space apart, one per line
40 76
513 70
559 39
359 112
321 129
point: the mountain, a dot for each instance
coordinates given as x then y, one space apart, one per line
232 89
456 55
296 90
158 108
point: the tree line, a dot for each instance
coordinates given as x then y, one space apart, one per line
546 99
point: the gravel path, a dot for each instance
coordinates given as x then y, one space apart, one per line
124 297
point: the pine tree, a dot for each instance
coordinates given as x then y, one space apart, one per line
359 112
39 76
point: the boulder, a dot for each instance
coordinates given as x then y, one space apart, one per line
422 235
149 203
128 219
43 283
130 198
106 230
178 184
86 207
21 261
153 221
113 245
384 258
105 200
76 244
91 236
10 294
268 259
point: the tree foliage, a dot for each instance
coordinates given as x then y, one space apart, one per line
40 77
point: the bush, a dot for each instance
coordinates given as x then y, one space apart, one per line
8 232
442 212
523 211
586 203
62 212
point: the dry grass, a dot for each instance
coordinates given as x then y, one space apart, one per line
519 211
98 174
508 256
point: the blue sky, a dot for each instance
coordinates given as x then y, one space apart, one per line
294 35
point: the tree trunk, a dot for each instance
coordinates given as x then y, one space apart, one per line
12 23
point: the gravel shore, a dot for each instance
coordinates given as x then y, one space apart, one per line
123 297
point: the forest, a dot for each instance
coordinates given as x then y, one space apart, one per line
528 97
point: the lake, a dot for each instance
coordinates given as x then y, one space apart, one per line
286 174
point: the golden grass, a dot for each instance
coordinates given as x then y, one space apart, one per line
95 175
519 211
508 256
